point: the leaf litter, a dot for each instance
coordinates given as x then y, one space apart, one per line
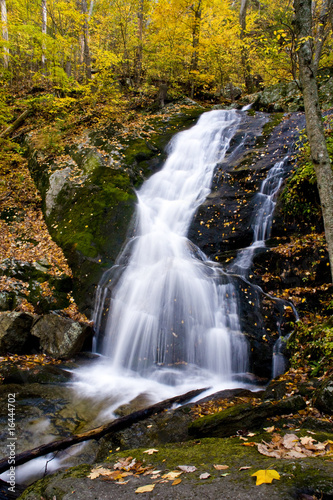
292 446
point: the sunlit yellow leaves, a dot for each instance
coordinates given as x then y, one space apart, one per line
265 476
176 481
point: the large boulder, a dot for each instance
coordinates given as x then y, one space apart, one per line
60 337
15 333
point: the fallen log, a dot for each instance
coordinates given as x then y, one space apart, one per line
114 426
9 130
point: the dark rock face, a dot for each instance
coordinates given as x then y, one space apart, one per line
223 223
33 275
51 334
15 333
323 398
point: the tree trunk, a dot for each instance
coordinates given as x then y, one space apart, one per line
244 52
195 43
44 29
138 58
85 59
4 32
314 125
115 426
322 31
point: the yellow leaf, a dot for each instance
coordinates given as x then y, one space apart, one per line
172 475
145 489
176 481
266 476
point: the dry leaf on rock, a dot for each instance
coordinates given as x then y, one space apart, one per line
187 468
145 489
172 475
176 481
98 471
289 440
266 476
290 446
151 451
204 475
221 467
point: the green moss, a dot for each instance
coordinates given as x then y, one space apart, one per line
275 119
38 488
83 213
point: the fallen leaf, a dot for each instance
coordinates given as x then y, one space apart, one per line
221 467
266 476
151 451
187 468
245 467
225 474
172 475
250 434
269 429
289 440
176 481
204 475
98 471
145 489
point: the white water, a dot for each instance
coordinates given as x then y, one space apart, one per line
265 202
173 315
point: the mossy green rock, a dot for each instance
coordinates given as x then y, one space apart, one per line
243 418
314 475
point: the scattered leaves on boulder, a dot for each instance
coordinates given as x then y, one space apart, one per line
291 446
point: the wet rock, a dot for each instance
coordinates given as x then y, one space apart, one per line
6 301
12 373
15 333
60 337
323 397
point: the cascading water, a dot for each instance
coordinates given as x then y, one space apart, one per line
168 304
265 202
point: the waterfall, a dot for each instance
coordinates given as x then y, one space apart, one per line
168 305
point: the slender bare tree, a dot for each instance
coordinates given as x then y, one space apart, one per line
4 32
308 64
44 29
